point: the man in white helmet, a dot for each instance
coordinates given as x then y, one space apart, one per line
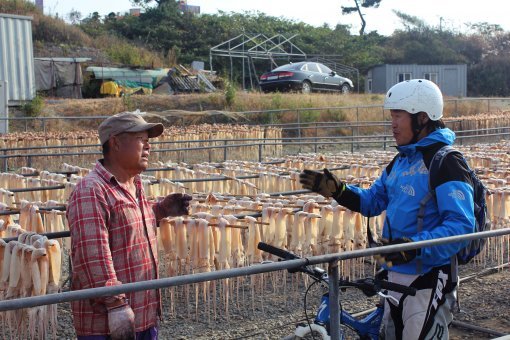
416 108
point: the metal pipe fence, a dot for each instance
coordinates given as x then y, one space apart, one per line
451 108
67 233
260 146
358 140
284 127
331 259
354 127
352 142
236 272
481 133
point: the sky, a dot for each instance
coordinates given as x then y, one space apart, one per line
450 14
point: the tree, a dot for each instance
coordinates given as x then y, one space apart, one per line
365 4
92 25
74 16
491 77
485 28
412 23
146 3
111 17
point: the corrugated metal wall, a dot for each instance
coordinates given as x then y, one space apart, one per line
17 57
4 109
451 79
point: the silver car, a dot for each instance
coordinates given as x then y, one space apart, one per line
305 77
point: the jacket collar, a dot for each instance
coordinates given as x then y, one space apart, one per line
445 136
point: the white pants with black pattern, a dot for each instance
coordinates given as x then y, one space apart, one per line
426 315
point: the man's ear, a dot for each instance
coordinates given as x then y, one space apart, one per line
114 143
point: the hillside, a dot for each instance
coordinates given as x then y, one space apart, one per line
54 37
164 36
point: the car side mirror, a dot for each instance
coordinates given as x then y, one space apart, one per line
333 73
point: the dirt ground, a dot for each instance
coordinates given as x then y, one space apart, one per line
273 312
484 302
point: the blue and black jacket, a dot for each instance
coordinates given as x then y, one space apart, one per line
401 187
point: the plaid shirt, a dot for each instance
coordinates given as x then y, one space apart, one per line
113 241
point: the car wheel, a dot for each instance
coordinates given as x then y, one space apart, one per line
345 89
306 87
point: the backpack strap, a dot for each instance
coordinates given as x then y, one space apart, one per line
435 165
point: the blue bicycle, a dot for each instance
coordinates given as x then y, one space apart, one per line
367 328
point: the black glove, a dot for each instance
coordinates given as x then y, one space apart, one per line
397 258
367 287
324 183
173 205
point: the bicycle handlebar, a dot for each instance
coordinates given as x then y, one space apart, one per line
277 251
368 285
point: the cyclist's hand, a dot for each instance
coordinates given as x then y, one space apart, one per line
399 257
324 183
368 288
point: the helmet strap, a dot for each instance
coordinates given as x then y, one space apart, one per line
417 128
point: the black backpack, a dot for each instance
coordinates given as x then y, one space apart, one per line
482 221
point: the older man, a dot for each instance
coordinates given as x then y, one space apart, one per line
113 233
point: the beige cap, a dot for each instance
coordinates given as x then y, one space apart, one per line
127 122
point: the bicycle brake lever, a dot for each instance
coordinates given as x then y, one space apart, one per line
389 297
319 271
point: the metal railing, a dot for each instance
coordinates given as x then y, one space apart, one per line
354 142
451 109
330 259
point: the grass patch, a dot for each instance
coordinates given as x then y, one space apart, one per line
54 31
34 107
119 50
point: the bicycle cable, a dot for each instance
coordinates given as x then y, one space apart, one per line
306 313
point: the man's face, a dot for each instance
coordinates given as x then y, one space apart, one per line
133 150
401 127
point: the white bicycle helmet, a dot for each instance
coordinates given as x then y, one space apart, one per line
416 95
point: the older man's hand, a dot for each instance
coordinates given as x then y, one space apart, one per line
121 322
176 204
